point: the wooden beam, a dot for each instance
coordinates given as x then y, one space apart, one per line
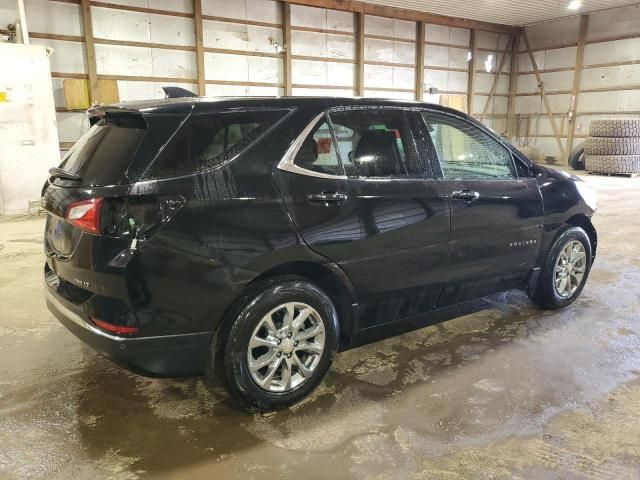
419 60
94 94
492 92
513 88
359 6
545 100
360 54
197 11
577 78
473 48
286 40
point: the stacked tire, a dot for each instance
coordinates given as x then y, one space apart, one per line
613 147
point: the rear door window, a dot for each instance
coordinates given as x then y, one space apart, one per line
376 143
318 152
209 141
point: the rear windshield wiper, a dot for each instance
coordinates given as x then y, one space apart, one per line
56 172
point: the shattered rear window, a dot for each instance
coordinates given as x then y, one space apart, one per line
209 141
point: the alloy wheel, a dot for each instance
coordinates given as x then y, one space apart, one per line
570 268
286 347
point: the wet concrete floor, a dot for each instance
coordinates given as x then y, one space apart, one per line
506 391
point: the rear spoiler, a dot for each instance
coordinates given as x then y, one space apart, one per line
97 112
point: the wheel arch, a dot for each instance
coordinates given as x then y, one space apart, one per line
584 222
328 277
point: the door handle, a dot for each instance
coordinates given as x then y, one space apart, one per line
327 198
466 195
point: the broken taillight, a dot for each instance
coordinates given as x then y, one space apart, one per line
85 215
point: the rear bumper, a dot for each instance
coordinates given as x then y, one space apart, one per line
168 355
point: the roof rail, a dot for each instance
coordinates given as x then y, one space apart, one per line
177 92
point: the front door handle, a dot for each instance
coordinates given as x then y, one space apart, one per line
466 195
327 198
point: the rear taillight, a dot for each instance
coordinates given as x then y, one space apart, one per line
85 215
113 328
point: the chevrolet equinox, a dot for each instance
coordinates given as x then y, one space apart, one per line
256 237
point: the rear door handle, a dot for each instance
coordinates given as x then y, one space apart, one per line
466 195
327 198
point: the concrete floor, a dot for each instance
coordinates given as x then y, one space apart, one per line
508 391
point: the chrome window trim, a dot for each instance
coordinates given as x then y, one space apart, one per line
287 163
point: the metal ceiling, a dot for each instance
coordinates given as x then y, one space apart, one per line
506 12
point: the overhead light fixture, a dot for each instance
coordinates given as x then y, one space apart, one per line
574 5
488 64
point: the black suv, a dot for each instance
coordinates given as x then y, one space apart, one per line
257 237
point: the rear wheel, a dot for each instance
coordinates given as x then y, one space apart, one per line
279 344
565 271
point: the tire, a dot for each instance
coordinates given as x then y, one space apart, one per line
576 159
612 146
231 352
545 293
629 127
612 163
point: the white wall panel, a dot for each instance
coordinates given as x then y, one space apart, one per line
323 73
622 76
386 94
184 6
548 59
71 125
323 45
498 105
438 56
389 27
265 69
241 91
442 34
121 60
626 100
173 63
258 10
560 32
44 16
120 24
318 92
236 36
553 81
533 104
222 66
389 51
491 40
612 52
135 90
446 80
485 81
312 17
388 77
608 23
68 57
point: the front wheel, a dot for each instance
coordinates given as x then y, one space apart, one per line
279 344
565 271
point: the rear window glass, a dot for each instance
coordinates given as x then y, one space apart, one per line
103 154
208 141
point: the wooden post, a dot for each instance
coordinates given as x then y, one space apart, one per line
419 60
360 54
577 78
197 18
545 100
513 88
496 80
94 93
473 47
286 40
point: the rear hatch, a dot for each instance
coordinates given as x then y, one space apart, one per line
90 216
